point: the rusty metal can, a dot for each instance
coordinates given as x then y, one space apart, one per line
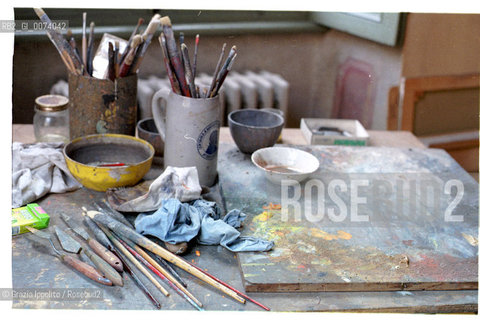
102 105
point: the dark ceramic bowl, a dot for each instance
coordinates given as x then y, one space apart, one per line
253 129
147 131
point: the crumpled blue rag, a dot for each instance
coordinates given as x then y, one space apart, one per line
176 222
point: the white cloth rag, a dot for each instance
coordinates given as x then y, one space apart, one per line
38 169
178 183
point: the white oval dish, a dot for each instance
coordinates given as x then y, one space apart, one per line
281 163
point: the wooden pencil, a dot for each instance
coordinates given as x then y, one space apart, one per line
123 231
175 56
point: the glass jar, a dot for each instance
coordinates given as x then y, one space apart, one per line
51 121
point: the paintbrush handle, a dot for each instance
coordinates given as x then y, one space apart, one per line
138 282
123 231
164 273
104 267
137 264
176 61
105 254
188 70
85 269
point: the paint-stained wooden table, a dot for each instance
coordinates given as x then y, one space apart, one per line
35 267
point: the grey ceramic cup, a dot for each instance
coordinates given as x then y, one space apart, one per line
253 129
190 128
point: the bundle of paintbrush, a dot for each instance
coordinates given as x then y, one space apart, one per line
181 72
115 57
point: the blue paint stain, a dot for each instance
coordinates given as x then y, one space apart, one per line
321 274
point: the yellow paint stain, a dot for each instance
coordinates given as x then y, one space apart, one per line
471 239
328 236
344 235
264 216
197 253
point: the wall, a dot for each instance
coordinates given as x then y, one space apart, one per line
309 61
441 44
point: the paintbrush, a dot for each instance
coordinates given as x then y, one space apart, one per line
127 63
223 75
73 44
84 39
147 38
111 62
217 69
116 51
195 53
106 221
228 286
135 262
105 207
129 43
90 49
139 282
63 47
174 56
73 262
162 270
227 66
155 270
167 267
168 67
188 70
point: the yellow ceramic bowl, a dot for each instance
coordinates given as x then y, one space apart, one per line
104 161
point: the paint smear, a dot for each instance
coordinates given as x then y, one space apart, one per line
272 206
471 239
264 216
328 236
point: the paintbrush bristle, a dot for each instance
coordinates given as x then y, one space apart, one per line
137 39
39 12
152 27
165 21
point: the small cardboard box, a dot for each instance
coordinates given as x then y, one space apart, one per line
359 136
32 215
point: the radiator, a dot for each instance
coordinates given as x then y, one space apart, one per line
240 90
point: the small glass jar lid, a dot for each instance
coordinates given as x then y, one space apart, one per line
51 102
